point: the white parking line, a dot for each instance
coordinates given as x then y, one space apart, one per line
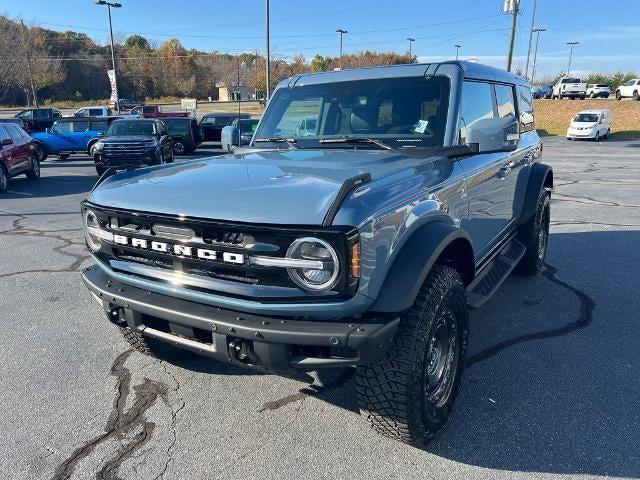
20 193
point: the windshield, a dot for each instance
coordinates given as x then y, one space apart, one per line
132 128
570 80
401 112
586 117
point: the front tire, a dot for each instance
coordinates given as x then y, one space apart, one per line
636 96
4 178
535 236
179 147
618 95
409 395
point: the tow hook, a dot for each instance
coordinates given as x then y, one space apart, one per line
116 315
240 350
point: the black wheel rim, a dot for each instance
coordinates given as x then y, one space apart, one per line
441 362
543 236
178 148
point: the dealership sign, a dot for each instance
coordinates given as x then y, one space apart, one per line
112 80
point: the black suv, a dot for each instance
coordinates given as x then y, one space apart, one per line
38 119
133 143
213 123
185 134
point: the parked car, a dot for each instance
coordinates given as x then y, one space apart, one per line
92 112
213 123
154 111
186 134
131 143
570 87
591 124
363 245
125 104
71 135
38 119
630 89
544 91
595 90
17 155
239 133
14 120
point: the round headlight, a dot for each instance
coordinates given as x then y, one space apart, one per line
91 228
318 279
98 146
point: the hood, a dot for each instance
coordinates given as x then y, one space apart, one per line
290 187
128 138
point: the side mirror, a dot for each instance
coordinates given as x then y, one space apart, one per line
7 141
494 134
229 138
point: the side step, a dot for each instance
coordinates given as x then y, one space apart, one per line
497 270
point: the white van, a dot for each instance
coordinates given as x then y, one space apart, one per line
592 124
97 111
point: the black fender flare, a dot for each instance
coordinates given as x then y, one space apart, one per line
416 258
541 176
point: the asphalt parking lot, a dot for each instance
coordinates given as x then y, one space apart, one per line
552 388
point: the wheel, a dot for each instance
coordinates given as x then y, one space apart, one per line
608 133
179 147
153 347
100 170
597 137
582 97
409 394
34 169
40 151
592 95
63 156
636 97
535 236
618 95
4 178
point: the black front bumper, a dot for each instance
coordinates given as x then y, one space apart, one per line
122 161
270 344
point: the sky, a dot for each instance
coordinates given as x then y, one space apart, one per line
609 38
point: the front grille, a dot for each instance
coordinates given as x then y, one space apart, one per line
136 149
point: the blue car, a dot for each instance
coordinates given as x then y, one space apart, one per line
70 135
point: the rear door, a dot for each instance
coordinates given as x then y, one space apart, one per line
488 188
7 152
20 148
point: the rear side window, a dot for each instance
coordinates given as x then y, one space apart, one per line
525 107
80 126
14 133
477 104
99 126
504 99
95 112
4 135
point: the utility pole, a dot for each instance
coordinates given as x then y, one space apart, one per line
28 55
535 55
533 20
341 32
113 57
411 40
513 7
268 56
238 98
457 47
572 44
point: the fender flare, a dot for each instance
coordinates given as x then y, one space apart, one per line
541 176
416 258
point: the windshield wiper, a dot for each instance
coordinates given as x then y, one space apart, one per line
356 140
291 142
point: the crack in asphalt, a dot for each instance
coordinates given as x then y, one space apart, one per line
585 222
587 305
120 423
590 201
20 230
309 391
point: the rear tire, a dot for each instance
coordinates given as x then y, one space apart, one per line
618 95
34 169
535 236
409 394
40 151
179 147
636 96
100 170
4 178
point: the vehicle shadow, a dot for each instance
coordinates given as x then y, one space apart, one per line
50 186
551 383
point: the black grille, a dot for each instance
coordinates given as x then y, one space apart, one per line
136 149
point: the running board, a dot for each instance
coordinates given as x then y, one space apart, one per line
496 271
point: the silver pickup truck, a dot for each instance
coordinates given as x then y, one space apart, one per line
569 87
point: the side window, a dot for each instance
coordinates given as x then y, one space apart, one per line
504 99
477 104
4 135
99 126
27 115
95 112
525 107
13 132
61 127
81 113
80 126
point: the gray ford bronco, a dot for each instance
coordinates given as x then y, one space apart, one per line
361 240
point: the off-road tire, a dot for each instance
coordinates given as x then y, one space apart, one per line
392 392
535 236
34 170
4 179
153 347
179 147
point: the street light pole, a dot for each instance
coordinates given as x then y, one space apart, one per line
535 54
457 47
533 20
512 39
113 57
341 32
572 44
411 40
268 56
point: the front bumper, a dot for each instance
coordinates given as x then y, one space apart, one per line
271 344
586 134
148 159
